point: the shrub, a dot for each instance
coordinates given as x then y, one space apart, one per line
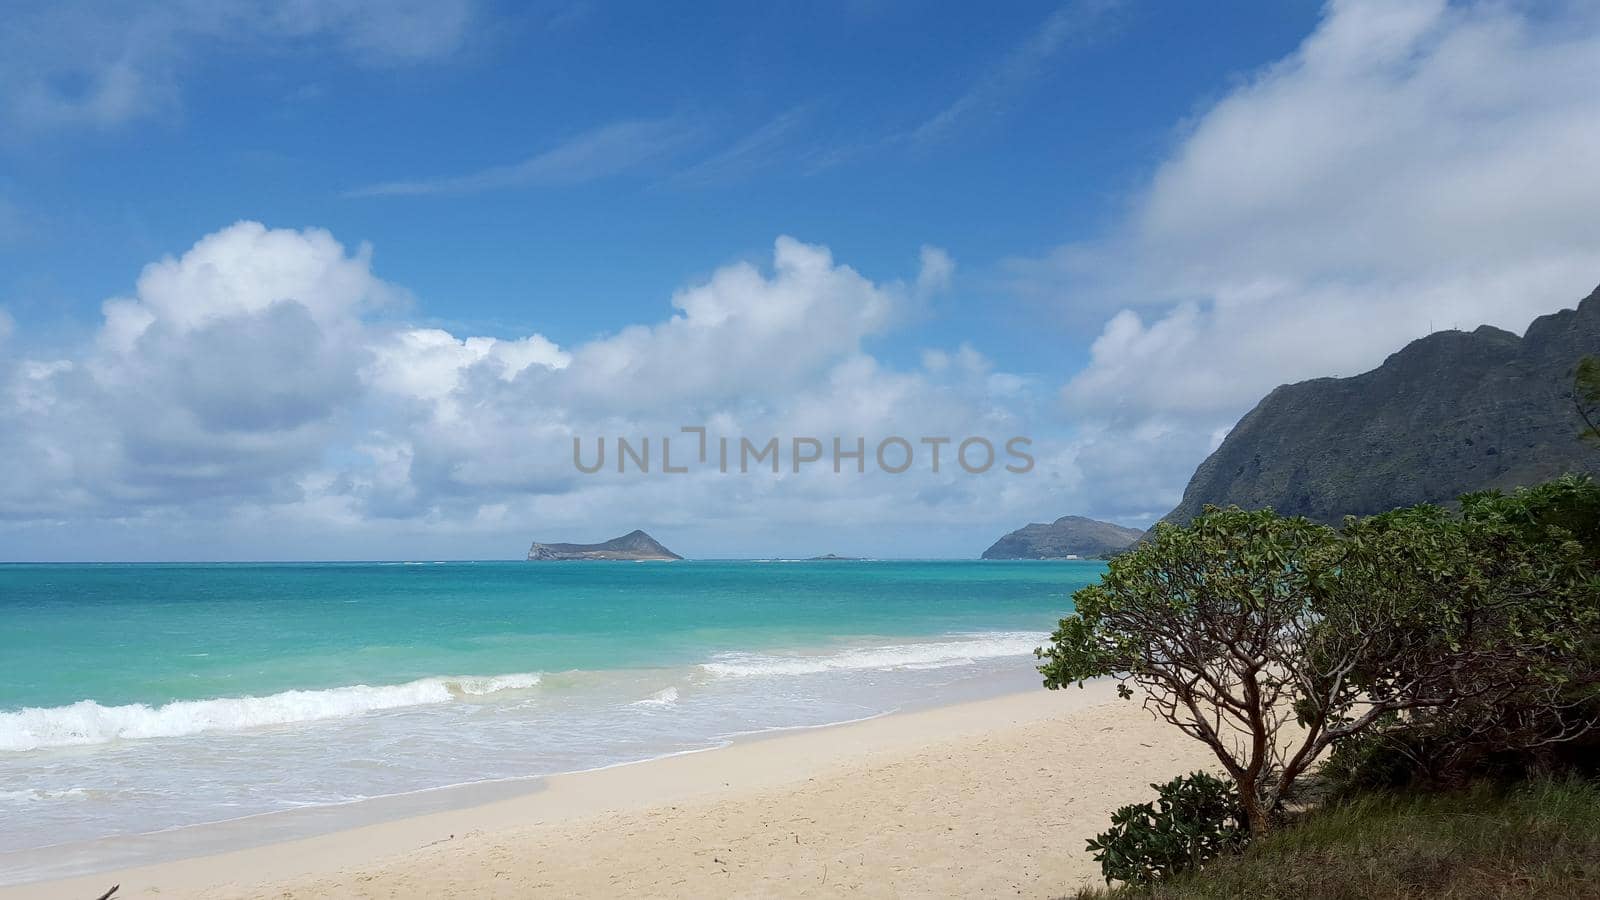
1536 550
1445 750
1388 758
1195 819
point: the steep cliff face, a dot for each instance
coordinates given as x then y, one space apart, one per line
1450 413
635 545
1065 537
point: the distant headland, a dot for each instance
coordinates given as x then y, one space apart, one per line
633 546
1069 537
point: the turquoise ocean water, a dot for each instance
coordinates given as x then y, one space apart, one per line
137 698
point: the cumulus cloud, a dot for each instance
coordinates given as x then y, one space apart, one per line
429 363
82 64
740 333
223 375
261 383
1410 167
750 351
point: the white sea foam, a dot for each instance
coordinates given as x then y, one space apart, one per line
87 722
662 698
34 795
922 655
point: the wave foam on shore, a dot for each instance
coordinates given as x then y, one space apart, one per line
87 722
922 655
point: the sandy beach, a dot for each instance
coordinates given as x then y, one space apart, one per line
989 798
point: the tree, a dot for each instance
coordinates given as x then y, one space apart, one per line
1586 396
1242 623
1210 622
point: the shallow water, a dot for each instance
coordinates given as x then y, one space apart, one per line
138 698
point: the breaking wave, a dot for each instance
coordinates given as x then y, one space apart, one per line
88 722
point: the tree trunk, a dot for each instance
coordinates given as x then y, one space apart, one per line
1256 814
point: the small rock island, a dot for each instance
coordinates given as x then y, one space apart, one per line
633 546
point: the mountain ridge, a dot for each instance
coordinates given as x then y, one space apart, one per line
1450 412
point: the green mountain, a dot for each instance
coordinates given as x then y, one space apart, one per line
1452 412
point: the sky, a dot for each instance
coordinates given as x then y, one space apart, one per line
347 280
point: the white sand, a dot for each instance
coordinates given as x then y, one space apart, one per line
986 799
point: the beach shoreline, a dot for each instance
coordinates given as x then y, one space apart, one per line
982 797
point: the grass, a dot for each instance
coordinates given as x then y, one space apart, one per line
1541 839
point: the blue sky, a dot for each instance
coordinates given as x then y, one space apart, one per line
1108 225
736 125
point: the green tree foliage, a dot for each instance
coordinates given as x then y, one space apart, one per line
1566 509
1541 545
1244 623
1586 396
1195 819
1209 621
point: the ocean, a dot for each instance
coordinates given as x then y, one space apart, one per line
138 699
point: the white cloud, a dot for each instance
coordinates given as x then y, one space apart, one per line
937 271
245 387
430 364
749 352
224 375
741 330
246 269
1399 138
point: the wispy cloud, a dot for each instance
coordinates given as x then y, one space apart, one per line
599 153
1008 77
1025 63
780 140
757 150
